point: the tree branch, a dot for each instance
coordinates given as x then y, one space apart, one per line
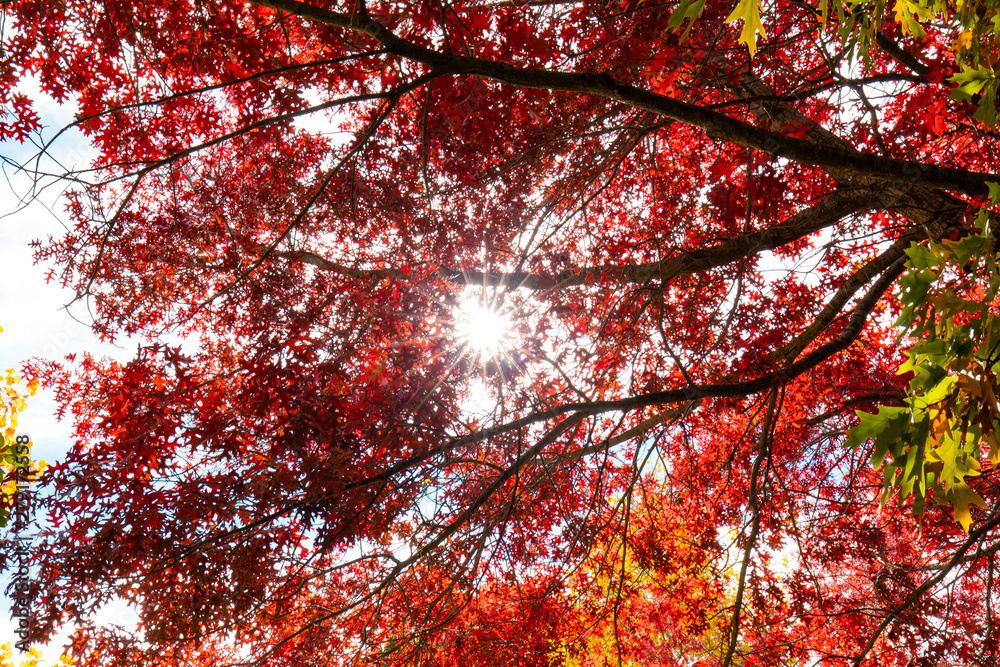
824 213
716 125
844 293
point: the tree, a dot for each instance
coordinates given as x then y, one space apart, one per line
694 228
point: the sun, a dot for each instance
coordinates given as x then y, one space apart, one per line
483 329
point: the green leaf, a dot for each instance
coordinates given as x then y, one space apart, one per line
961 251
994 187
888 478
687 10
913 468
824 11
940 389
987 112
934 350
891 440
869 425
922 257
970 81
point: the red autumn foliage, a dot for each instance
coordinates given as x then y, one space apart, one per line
304 464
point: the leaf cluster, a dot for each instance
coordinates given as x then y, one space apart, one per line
932 446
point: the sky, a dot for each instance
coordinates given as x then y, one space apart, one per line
34 317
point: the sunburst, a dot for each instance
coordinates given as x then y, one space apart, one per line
483 329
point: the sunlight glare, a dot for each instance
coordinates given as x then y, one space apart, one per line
483 329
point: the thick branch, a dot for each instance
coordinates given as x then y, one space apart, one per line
918 201
716 125
843 294
826 212
901 56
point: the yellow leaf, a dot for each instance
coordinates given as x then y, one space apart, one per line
963 41
749 11
939 426
961 496
907 14
991 438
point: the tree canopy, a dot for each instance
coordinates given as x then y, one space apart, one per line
697 238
